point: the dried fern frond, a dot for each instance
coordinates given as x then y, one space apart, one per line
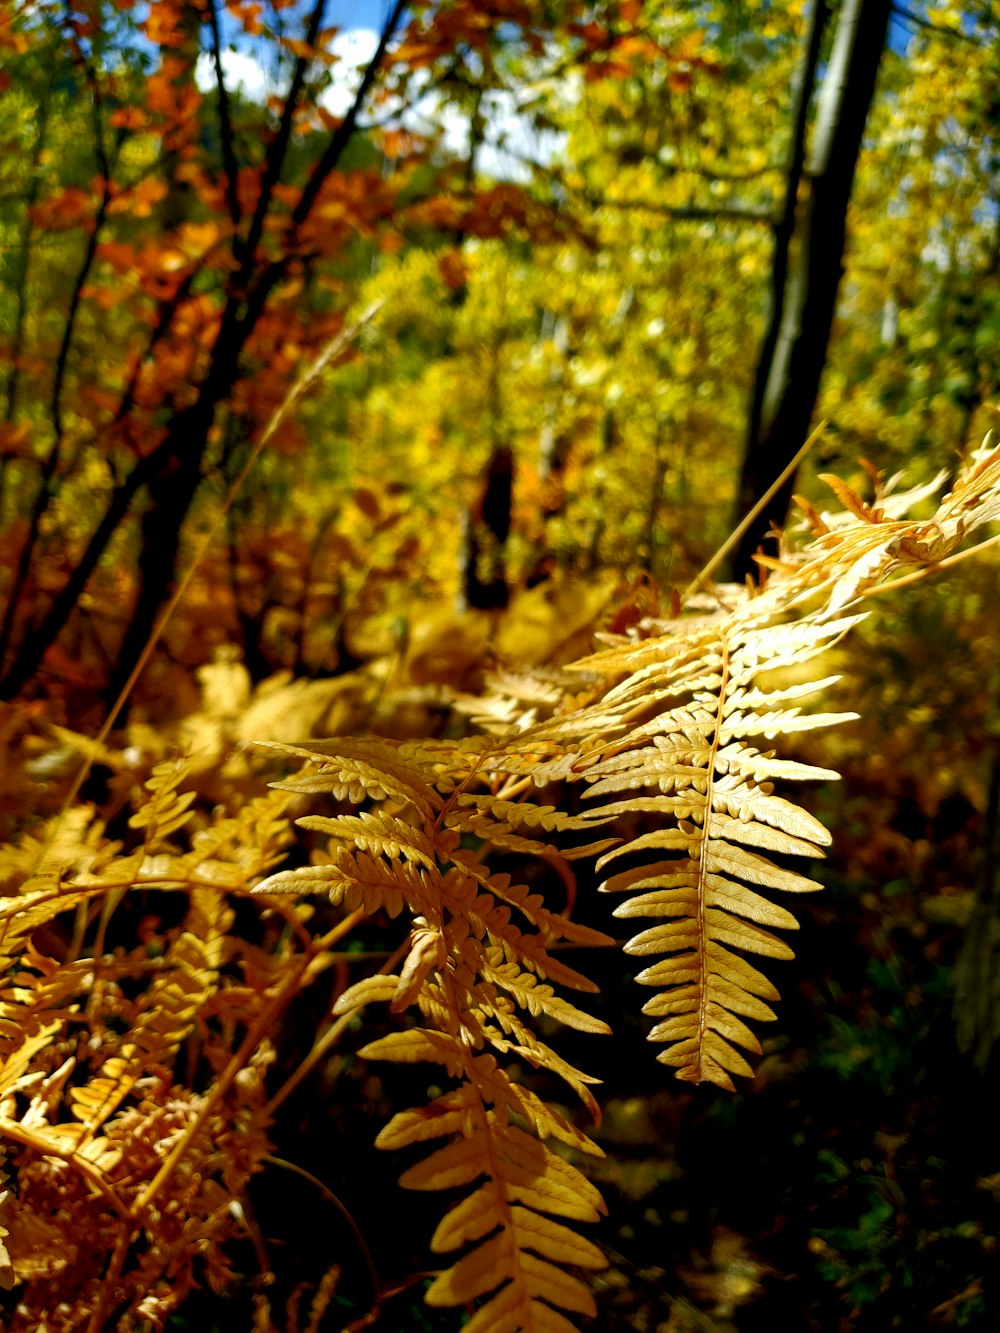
721 827
673 731
167 809
669 729
479 970
94 1068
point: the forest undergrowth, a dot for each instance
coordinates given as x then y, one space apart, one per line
199 952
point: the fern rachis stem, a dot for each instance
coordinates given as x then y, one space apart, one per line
328 1040
739 530
251 1041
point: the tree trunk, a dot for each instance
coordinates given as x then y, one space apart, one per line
171 494
488 527
807 264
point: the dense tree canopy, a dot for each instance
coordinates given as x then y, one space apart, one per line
577 220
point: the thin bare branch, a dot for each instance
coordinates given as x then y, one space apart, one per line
225 121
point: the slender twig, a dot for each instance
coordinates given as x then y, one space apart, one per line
44 494
341 136
764 500
106 1292
679 212
244 251
330 1197
784 228
241 324
919 21
683 212
225 120
300 387
328 1040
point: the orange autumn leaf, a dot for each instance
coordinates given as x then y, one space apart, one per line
367 502
453 269
165 25
68 208
14 441
300 49
127 118
101 398
120 256
140 201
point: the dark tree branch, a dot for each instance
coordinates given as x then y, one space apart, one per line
330 159
175 485
920 22
342 134
244 251
173 469
225 121
681 212
43 496
51 624
687 212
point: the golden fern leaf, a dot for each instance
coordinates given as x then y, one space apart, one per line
479 969
860 551
518 1253
167 1013
374 771
673 732
701 868
668 726
167 810
250 842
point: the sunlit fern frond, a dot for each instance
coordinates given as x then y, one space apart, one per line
694 767
864 545
516 1252
669 731
166 1014
480 971
168 808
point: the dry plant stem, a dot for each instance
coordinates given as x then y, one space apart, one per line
565 873
247 1047
764 500
460 789
328 1040
249 1044
330 1197
107 1288
513 788
288 915
333 348
918 575
338 932
243 1211
388 1292
107 910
